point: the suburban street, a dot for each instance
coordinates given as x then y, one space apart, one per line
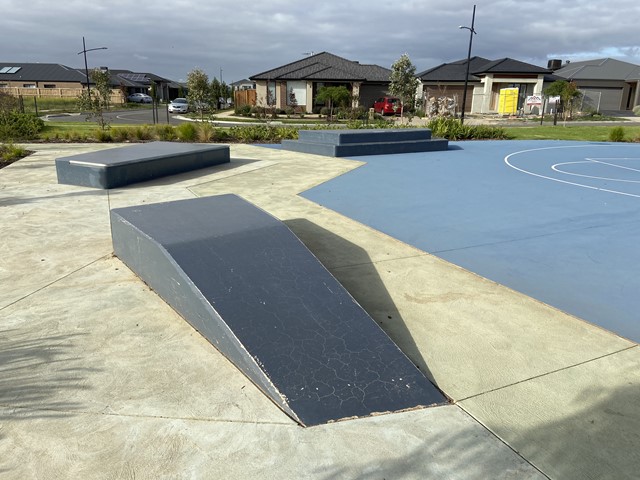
143 116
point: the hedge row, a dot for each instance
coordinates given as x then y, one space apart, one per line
454 129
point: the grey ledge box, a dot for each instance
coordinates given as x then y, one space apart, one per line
352 143
246 282
118 167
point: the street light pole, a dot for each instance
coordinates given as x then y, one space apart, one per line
472 32
86 68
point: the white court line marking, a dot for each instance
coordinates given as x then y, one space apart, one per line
508 157
589 160
599 160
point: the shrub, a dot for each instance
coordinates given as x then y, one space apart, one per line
616 134
10 153
244 110
636 110
121 134
258 112
262 134
165 132
19 126
8 103
143 132
187 132
220 135
103 135
205 132
452 129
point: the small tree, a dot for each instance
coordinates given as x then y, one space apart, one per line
403 81
568 93
98 100
216 92
335 96
199 95
8 103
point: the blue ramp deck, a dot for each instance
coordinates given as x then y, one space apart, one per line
250 286
118 167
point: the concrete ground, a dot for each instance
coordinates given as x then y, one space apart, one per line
99 378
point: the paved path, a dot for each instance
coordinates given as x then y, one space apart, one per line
99 378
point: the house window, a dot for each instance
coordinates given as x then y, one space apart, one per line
49 85
271 93
28 85
297 93
4 85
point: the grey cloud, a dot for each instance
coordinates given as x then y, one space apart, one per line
171 38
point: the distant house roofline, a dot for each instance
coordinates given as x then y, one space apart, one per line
326 66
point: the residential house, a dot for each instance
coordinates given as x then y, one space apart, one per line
134 82
56 80
297 83
486 80
41 79
244 93
607 84
244 84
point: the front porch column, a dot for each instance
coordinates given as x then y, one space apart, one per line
355 94
309 106
261 93
486 94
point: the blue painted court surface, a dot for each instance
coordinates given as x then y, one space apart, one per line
558 221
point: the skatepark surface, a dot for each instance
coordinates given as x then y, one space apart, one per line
100 378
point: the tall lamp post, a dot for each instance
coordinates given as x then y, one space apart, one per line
86 69
472 32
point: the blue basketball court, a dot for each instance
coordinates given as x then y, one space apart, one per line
558 221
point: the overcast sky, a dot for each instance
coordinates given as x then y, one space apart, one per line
232 40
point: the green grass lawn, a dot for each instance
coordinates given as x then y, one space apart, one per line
74 131
64 130
581 132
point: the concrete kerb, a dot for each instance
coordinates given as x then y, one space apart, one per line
146 375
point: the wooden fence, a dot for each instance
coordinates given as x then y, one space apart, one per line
116 94
245 97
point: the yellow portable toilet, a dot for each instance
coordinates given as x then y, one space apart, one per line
508 101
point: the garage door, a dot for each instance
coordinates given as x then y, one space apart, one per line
605 98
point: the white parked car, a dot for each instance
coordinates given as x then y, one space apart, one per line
139 98
179 105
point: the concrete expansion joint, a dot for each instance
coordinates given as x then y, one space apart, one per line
379 262
28 410
547 374
232 175
24 297
503 441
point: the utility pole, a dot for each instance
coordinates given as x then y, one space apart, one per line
472 32
86 68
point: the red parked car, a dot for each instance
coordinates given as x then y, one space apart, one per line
387 106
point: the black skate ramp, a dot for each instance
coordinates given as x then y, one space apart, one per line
243 280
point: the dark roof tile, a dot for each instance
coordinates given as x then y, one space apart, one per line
455 71
326 66
42 72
